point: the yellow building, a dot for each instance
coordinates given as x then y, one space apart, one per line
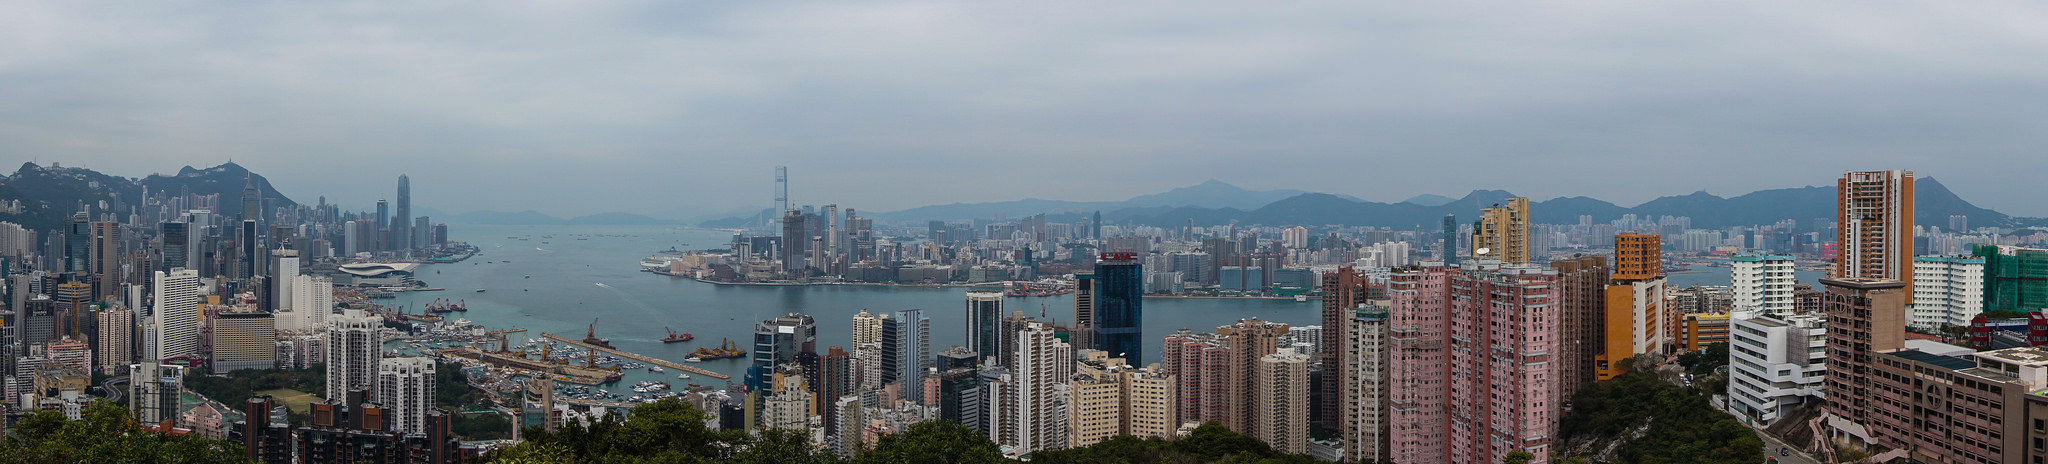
1503 232
1635 322
1702 329
1110 398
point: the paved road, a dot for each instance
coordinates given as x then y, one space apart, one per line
1772 444
113 392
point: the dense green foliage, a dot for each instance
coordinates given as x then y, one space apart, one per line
1683 426
451 388
485 426
1209 443
106 434
236 387
1704 361
669 431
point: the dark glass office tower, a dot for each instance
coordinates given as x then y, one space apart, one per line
175 244
1119 301
401 226
78 244
984 322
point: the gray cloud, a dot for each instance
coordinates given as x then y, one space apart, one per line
653 107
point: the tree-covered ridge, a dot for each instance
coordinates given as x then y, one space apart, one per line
669 431
1677 424
105 433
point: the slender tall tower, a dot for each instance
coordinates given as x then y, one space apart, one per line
1875 226
1083 335
252 201
1450 249
401 226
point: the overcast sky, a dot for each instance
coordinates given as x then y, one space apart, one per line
662 107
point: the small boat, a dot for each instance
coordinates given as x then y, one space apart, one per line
655 369
479 290
693 359
529 276
683 376
1301 298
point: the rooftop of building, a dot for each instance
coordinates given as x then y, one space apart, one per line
1861 283
1938 348
1759 257
1946 362
2024 356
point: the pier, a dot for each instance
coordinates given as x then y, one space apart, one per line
637 357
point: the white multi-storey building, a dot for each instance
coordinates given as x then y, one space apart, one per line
1032 401
176 317
1762 282
1946 291
1775 364
312 302
353 351
406 387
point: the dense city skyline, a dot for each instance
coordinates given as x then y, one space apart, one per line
609 101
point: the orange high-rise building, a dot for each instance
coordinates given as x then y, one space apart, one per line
1875 226
1638 256
1503 232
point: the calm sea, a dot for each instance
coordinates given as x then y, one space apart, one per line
573 282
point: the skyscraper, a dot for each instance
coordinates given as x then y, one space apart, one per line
353 350
1875 226
176 317
1343 290
1582 320
174 247
252 200
1249 341
1947 291
1470 377
405 386
78 244
1280 389
984 322
1450 248
116 347
906 352
401 226
1364 423
1503 232
793 240
867 327
106 258
1083 332
1119 305
778 341
1032 412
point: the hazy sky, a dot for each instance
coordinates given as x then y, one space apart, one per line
686 106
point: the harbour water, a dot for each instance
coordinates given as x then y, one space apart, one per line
575 281
553 282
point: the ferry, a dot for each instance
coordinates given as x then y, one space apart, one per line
652 262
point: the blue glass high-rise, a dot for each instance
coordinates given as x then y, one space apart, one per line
1119 306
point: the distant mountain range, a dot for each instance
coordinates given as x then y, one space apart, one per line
50 195
1217 203
1933 206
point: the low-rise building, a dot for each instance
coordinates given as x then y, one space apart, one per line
1775 363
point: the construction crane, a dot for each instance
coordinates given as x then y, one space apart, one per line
499 335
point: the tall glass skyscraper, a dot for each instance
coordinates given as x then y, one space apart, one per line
1119 301
984 323
401 226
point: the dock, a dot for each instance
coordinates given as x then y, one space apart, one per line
636 357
